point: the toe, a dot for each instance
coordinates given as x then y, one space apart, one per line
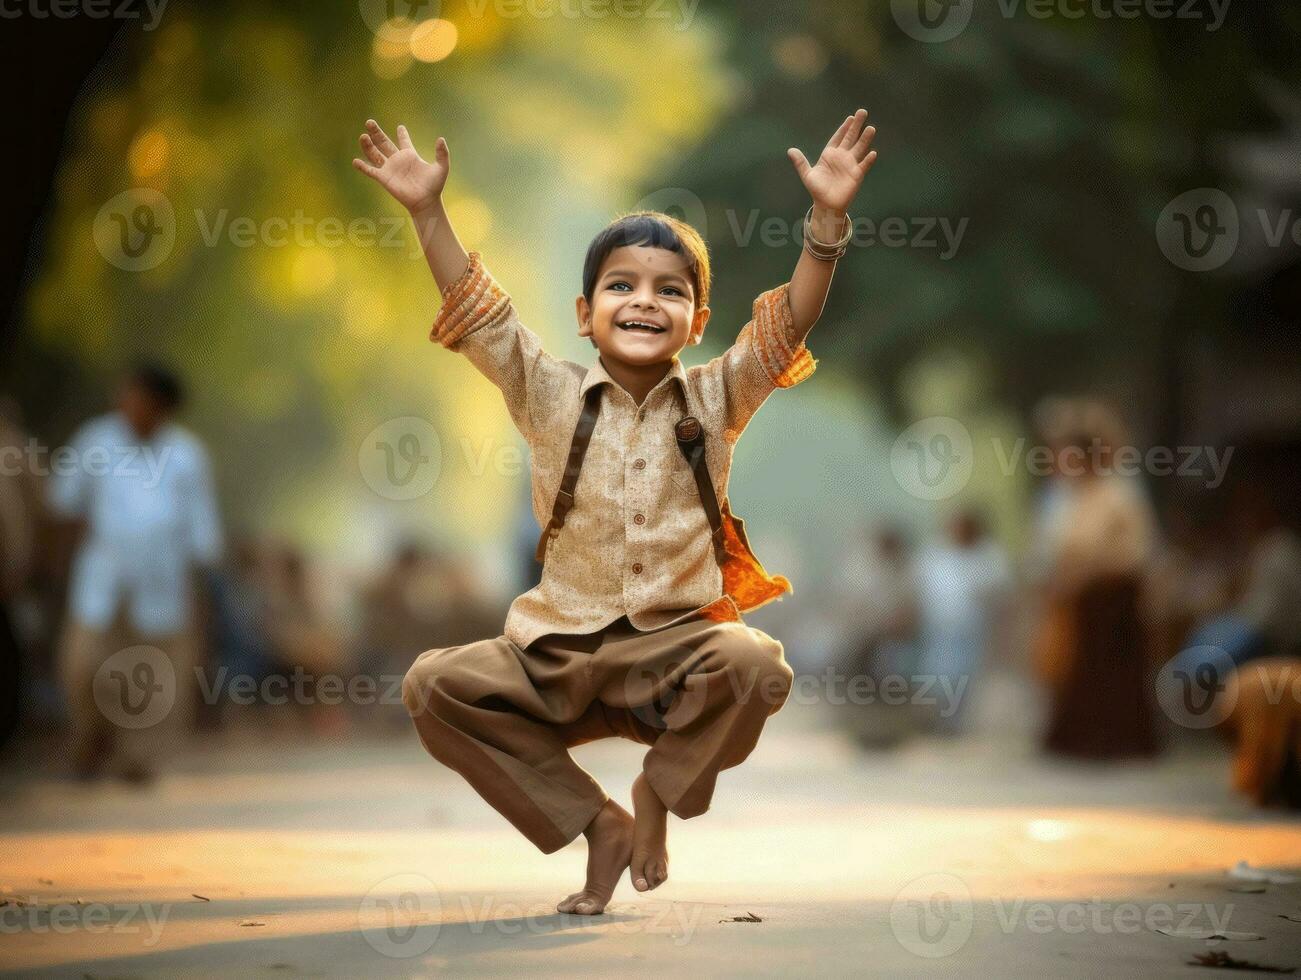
637 872
567 904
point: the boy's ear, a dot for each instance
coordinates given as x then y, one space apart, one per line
584 311
698 325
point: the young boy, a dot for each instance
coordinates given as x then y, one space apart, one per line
635 629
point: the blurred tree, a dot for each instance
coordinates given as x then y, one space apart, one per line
1058 140
289 289
1052 145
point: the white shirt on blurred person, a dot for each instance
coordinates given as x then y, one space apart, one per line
150 515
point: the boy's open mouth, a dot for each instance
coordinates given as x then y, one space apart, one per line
640 326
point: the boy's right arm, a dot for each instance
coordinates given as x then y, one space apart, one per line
417 185
477 318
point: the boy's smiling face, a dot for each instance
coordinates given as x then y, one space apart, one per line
643 308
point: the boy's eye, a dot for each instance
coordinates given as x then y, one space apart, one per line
622 286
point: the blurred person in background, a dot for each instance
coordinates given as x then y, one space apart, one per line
1265 725
140 486
466 610
962 584
304 640
237 627
18 520
1053 421
1270 602
400 611
1191 578
1252 655
883 611
1264 618
422 599
1093 647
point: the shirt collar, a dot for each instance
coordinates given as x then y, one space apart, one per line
597 374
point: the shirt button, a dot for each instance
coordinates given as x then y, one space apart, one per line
636 568
639 519
639 464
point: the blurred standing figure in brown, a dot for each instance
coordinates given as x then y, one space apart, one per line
141 487
1093 645
18 520
304 639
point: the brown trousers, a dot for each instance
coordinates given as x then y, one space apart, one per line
697 693
1266 725
112 714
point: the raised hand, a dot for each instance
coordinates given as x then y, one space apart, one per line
844 162
414 182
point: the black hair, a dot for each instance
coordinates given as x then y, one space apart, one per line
657 230
162 384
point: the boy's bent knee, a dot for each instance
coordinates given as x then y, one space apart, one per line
449 675
414 687
775 686
757 659
426 677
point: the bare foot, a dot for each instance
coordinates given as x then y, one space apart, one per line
650 856
609 845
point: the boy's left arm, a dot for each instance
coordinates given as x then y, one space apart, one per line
770 351
833 183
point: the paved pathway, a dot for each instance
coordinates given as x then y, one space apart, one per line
362 857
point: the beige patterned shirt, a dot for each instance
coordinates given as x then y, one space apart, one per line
637 541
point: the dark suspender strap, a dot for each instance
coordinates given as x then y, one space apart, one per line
573 466
691 440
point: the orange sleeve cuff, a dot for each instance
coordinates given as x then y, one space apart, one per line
771 324
472 302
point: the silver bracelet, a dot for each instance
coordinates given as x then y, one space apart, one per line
824 251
